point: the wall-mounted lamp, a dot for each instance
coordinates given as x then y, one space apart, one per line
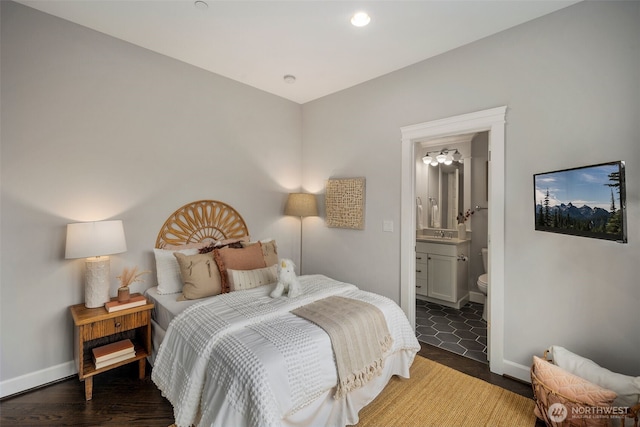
445 156
93 241
301 204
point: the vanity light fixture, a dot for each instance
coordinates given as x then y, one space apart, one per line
445 156
360 19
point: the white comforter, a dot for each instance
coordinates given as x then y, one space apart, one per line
244 356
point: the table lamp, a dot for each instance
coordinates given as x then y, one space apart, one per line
301 204
93 241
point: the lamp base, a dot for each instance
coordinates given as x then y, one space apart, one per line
96 289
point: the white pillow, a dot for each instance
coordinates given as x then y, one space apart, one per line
626 387
240 280
168 270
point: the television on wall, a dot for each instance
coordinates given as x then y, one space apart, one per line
586 201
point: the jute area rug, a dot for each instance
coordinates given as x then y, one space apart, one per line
439 396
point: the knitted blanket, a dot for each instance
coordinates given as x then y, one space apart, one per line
243 358
359 337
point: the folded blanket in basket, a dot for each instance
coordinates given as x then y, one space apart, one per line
359 337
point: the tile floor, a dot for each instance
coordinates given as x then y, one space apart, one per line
459 331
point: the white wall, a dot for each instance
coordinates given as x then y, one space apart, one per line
570 82
96 128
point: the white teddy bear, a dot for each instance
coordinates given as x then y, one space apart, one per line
287 280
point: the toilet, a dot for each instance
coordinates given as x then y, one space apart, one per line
483 281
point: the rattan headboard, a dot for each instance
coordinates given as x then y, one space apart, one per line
201 221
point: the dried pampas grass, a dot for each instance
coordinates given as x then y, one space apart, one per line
130 275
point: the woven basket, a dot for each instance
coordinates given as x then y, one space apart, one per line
545 397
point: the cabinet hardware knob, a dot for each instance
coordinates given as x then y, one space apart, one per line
117 324
418 286
418 257
418 271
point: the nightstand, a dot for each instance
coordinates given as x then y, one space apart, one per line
96 326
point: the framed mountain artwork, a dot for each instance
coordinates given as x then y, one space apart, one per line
587 201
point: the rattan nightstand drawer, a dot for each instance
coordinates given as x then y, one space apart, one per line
114 325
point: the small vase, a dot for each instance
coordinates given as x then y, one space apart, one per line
462 231
123 294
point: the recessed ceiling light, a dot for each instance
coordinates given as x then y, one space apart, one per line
289 79
199 4
360 19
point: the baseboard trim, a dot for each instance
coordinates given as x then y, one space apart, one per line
517 371
37 379
476 297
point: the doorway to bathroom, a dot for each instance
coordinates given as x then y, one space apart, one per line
449 303
493 122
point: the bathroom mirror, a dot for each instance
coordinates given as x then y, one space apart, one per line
445 196
443 191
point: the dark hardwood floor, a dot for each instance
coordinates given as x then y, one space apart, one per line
120 399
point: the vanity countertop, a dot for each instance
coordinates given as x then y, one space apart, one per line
441 240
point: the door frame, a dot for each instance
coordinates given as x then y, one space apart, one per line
492 120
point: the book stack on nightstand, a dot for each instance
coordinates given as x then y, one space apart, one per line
115 305
113 353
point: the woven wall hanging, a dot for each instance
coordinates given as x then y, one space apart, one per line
344 201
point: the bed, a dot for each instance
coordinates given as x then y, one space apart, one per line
242 358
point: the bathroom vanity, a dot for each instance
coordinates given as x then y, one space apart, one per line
442 266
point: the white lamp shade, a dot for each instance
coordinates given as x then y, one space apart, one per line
90 239
301 204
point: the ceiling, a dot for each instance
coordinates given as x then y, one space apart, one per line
259 42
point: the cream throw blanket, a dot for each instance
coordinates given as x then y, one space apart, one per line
359 337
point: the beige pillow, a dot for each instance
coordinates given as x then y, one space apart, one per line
168 270
571 386
200 276
269 251
227 242
240 280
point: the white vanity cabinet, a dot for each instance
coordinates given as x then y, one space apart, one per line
421 273
442 272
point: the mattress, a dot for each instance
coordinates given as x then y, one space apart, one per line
167 306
